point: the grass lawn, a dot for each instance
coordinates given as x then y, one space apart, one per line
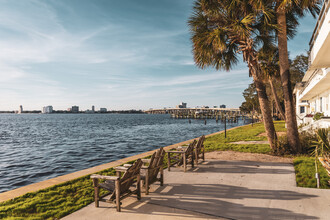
246 133
305 173
60 200
53 202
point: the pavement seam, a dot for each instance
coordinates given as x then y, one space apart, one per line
203 213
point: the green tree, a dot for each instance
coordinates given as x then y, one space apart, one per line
221 29
251 99
298 68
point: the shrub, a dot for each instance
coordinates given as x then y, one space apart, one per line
318 116
283 148
307 139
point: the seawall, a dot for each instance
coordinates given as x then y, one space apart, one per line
61 179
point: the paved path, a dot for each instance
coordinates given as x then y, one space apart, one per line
222 190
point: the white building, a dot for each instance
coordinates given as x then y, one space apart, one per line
20 109
313 93
47 109
182 105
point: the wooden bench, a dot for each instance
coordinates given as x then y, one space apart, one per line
200 150
181 156
118 186
149 174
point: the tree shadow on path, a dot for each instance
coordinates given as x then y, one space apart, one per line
210 199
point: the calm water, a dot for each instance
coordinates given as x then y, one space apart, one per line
36 147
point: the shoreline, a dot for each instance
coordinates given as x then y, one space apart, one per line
11 194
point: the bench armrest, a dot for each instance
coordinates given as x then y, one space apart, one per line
146 160
175 151
121 168
182 147
97 176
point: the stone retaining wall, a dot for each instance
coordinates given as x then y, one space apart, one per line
61 179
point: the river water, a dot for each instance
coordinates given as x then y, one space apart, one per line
36 147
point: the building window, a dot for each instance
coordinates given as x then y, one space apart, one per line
302 109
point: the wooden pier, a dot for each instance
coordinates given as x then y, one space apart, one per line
231 114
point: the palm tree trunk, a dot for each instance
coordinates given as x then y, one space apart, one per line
290 113
277 101
263 102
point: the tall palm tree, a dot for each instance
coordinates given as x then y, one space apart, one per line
221 29
292 9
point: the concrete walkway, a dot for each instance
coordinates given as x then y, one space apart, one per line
222 190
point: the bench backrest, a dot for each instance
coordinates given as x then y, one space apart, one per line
128 178
200 144
190 148
155 164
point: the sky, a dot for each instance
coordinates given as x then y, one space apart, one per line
119 55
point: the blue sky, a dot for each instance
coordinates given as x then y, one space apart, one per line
124 54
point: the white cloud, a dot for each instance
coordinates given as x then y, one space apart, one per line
44 61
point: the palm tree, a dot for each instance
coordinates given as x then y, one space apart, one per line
292 9
221 29
270 69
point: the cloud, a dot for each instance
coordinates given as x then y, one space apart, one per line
111 55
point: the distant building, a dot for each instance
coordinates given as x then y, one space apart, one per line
75 109
182 105
222 106
103 110
90 111
20 109
47 109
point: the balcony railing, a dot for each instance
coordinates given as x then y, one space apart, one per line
319 23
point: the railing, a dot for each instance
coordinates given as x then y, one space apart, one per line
309 80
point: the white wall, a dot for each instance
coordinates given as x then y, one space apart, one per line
321 38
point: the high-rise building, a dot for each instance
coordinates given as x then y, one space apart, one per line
47 109
93 108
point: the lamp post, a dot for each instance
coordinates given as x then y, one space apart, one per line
225 127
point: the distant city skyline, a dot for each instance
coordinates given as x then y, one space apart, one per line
111 54
75 108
